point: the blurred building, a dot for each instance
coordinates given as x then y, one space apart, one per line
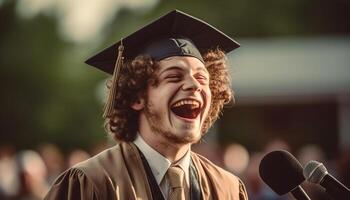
294 88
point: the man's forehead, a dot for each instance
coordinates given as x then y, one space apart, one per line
182 63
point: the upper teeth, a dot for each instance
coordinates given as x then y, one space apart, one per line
194 104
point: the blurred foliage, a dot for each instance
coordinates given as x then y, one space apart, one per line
49 94
254 18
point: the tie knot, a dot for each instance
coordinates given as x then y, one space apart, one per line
175 176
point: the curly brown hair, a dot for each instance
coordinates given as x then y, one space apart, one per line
137 75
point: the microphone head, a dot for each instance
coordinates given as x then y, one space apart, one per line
314 171
281 171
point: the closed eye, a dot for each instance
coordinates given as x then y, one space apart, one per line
202 79
173 77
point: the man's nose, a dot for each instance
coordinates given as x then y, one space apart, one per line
191 84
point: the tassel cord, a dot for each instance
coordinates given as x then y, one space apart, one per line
110 103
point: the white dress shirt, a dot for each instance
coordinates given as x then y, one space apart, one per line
159 164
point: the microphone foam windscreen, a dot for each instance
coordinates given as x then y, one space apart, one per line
314 171
281 171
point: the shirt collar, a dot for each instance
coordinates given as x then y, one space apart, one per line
160 164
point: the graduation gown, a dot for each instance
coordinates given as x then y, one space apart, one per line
118 173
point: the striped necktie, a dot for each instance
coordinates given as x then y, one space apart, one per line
176 179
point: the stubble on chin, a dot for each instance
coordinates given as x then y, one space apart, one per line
154 120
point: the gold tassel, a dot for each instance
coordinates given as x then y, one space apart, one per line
110 103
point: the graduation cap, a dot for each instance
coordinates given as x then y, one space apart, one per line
174 34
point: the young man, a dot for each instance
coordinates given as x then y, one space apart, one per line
169 84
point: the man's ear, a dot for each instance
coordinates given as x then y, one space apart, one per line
138 105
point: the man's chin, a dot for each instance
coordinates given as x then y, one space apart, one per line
183 139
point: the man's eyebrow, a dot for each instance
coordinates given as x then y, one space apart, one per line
182 69
204 69
171 68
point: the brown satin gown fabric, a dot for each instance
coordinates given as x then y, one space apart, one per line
118 173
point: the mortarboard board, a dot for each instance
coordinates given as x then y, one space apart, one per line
173 25
174 34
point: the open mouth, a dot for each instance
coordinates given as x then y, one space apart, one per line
189 109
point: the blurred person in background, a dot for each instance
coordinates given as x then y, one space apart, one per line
311 152
210 150
77 156
169 84
33 176
9 178
99 147
236 158
252 179
343 166
276 144
53 159
305 154
256 188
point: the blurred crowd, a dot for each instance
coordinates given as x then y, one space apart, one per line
245 164
28 174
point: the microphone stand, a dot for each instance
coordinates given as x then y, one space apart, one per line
334 188
299 193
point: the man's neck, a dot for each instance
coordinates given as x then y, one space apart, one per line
170 150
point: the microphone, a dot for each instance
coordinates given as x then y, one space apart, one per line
283 173
315 172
